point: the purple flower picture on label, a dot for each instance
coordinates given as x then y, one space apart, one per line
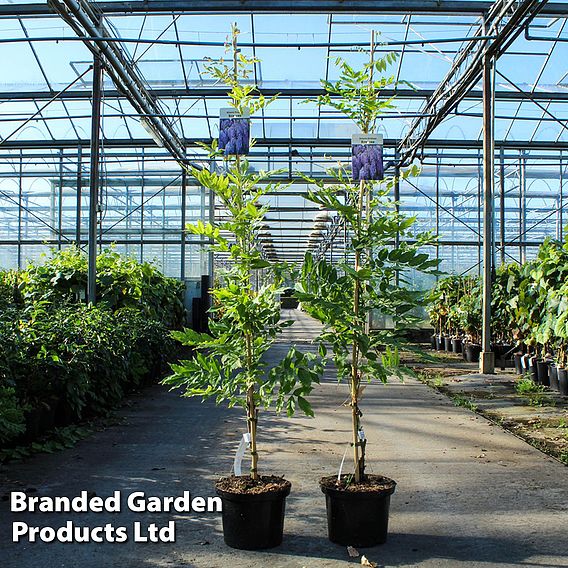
234 136
367 162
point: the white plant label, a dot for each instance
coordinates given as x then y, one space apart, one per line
245 441
367 139
230 112
342 462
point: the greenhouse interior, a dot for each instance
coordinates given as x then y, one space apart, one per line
284 283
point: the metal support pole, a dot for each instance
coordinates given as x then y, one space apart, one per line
437 208
142 201
20 209
487 359
558 228
78 202
183 220
453 231
561 204
60 201
397 199
94 181
479 213
522 207
128 207
502 203
397 208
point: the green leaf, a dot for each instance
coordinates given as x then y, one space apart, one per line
305 406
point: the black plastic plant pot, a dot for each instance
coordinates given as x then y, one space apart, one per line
457 345
439 342
503 357
553 376
472 352
563 381
542 372
534 369
518 363
448 343
357 518
253 522
433 341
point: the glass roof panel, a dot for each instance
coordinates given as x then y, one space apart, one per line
169 66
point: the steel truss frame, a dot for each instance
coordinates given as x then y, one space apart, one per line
85 20
282 6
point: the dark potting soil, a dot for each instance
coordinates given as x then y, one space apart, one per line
244 484
370 484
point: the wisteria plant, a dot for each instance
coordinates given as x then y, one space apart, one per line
372 277
229 364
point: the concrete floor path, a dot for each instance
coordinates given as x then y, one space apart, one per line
469 494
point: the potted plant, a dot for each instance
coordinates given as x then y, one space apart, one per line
549 274
561 382
438 313
443 308
229 364
503 325
523 304
455 340
535 305
451 291
544 339
343 295
469 314
559 371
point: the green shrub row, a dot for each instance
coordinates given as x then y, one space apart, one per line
62 360
122 282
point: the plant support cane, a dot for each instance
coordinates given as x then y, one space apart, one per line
358 440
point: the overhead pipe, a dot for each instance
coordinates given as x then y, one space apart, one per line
271 45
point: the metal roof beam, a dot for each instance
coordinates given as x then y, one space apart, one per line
505 20
281 6
285 142
85 20
215 93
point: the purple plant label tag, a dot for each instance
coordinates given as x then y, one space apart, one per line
367 157
234 133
